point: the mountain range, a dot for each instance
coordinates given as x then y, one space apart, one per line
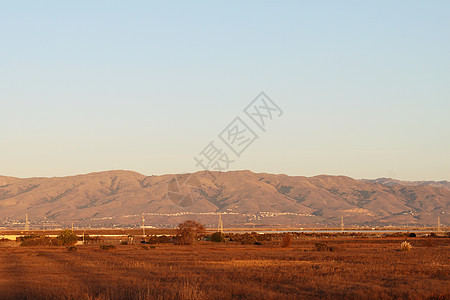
243 198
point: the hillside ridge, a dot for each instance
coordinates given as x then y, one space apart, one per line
120 197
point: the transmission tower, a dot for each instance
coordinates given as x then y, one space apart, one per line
27 223
143 225
220 225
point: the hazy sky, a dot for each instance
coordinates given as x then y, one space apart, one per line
145 86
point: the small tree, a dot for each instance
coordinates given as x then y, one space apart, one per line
67 238
188 232
218 237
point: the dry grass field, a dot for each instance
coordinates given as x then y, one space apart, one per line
358 268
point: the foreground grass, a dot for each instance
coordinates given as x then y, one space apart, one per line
358 269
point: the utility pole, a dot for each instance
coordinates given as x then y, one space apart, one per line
439 224
342 224
220 225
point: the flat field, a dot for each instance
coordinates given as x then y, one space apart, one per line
359 268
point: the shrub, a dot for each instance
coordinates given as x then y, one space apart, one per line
39 241
287 240
323 247
248 240
72 249
405 246
124 243
217 237
264 237
165 239
67 238
412 234
154 239
188 232
107 247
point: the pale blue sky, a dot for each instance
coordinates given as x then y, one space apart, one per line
138 85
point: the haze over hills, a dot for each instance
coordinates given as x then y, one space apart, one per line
119 198
390 182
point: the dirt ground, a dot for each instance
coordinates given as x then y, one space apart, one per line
358 268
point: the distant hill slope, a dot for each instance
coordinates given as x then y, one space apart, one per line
390 181
244 197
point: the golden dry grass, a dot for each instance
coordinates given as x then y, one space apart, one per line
359 269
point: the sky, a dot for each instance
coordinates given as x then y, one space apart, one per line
88 86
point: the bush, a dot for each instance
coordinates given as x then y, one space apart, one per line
323 247
405 246
412 234
124 243
287 240
107 247
248 240
217 237
39 241
72 249
67 238
154 239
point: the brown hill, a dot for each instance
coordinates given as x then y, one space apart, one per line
120 197
390 181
